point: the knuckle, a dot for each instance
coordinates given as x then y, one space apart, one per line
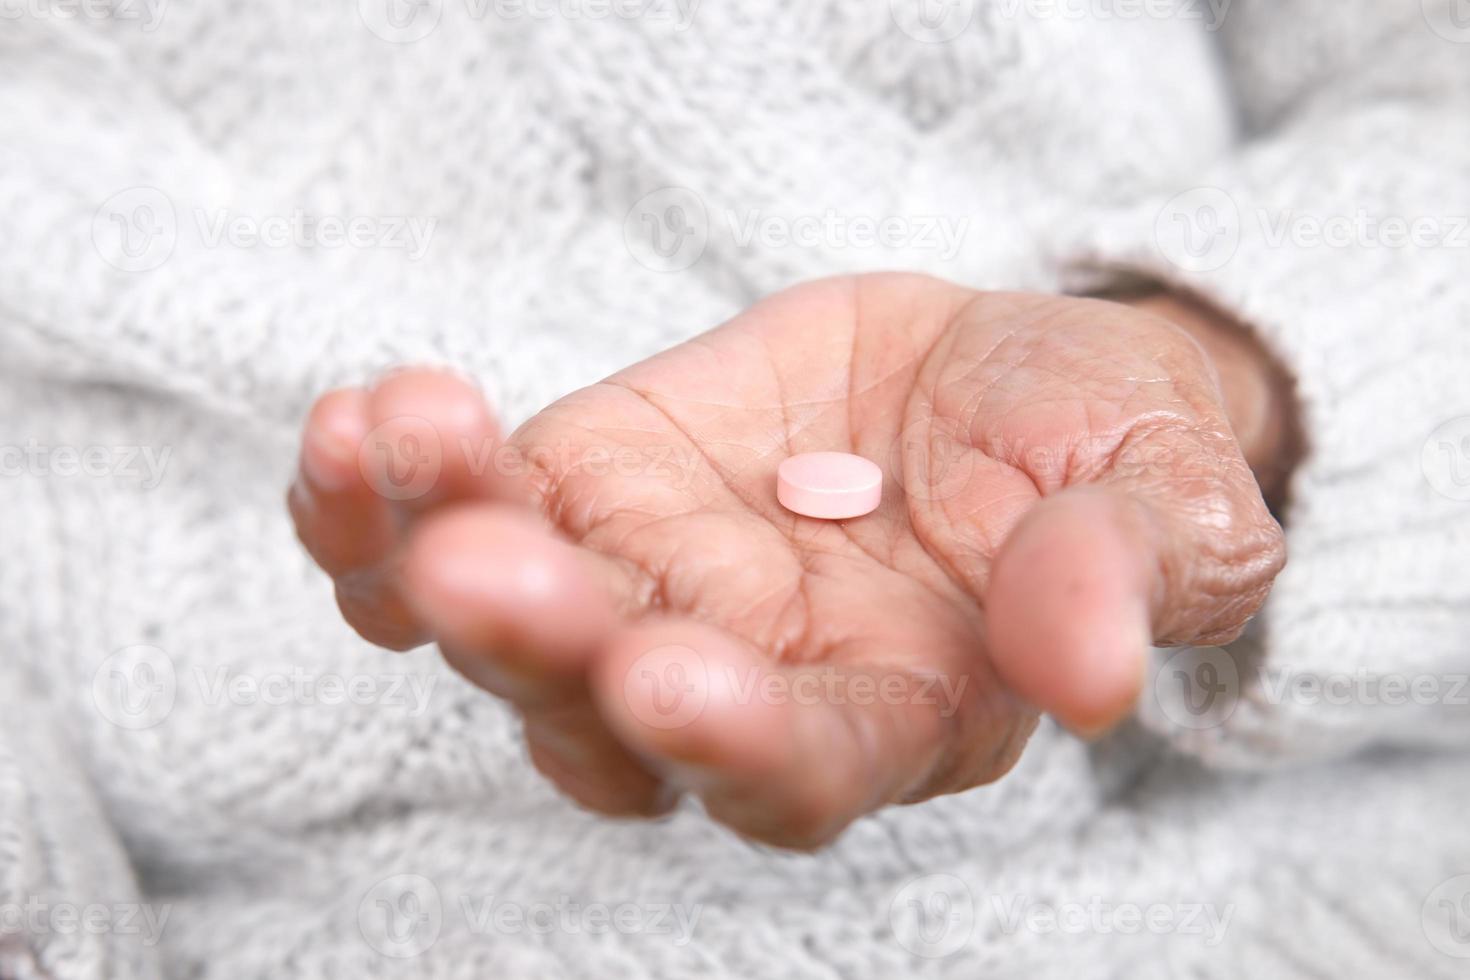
1242 550
1229 548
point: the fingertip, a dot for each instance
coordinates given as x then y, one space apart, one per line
332 436
683 694
1069 611
578 754
454 401
433 438
771 758
343 524
502 589
372 606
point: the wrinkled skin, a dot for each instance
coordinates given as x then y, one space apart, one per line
1062 488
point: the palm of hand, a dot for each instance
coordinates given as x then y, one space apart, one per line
797 673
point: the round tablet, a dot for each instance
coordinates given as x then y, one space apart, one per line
832 486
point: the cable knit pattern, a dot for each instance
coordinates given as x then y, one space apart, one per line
170 743
1296 236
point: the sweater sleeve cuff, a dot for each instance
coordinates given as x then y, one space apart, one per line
1361 293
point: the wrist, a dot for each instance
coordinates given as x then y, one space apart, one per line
1257 391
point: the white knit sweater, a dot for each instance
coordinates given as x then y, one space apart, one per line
204 774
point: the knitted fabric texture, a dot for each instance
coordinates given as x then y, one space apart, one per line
193 743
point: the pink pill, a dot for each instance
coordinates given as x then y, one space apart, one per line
832 486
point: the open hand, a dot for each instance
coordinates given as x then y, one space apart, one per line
1063 489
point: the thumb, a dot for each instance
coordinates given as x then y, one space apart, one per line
1095 575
